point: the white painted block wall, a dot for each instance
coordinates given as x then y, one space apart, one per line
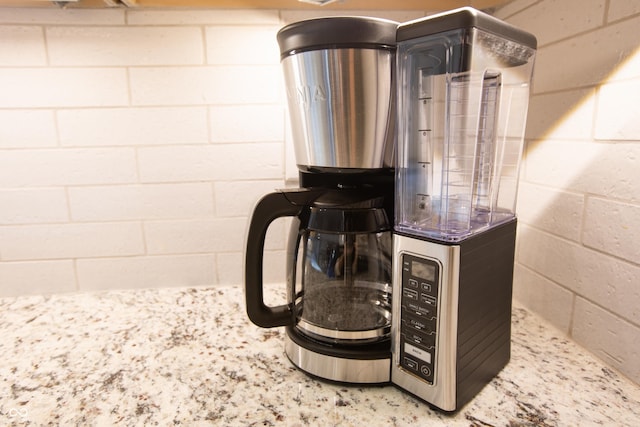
134 143
578 256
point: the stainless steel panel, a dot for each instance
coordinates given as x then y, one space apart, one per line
357 371
443 391
341 107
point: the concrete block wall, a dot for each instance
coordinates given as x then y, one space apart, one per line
578 256
133 144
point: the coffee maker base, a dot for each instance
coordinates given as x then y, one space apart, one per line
368 364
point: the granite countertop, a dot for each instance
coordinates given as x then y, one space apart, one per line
191 357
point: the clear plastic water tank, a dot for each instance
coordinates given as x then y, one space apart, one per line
463 91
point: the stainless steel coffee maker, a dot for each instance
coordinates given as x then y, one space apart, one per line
339 80
430 312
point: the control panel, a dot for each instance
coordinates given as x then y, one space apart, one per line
418 316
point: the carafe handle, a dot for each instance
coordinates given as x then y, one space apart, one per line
272 206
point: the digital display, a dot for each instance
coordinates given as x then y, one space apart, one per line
423 271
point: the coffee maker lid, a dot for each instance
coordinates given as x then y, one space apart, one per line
464 17
337 32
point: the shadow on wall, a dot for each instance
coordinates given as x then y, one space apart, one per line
578 257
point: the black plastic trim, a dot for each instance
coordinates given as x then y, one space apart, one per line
484 309
337 46
337 32
345 177
274 205
337 220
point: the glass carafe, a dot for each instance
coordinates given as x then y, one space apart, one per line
338 265
340 286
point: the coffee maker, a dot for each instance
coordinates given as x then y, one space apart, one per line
463 90
339 77
428 158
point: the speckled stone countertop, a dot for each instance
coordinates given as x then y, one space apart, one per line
191 357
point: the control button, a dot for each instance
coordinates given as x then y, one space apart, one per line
410 363
428 299
415 338
410 293
413 283
420 310
421 354
417 324
413 306
425 370
425 286
423 340
426 326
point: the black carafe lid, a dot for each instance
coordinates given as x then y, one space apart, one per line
348 211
